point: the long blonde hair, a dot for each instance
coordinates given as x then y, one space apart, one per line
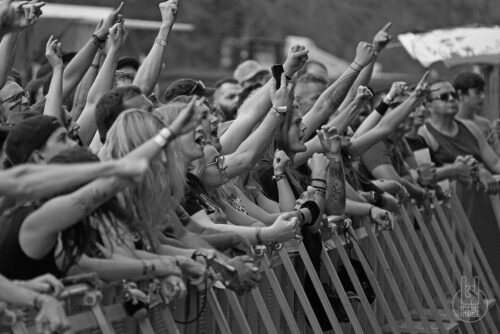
162 188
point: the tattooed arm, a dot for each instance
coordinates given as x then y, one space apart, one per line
39 231
331 99
335 179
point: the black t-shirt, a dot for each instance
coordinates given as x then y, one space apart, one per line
14 263
197 199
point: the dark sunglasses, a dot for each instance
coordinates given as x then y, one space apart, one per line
198 85
445 97
16 97
219 162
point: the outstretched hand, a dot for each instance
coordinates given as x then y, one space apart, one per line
364 54
114 17
282 96
329 139
297 57
382 38
168 10
190 117
422 87
20 15
53 52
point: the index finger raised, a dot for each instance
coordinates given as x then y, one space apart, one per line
387 26
424 78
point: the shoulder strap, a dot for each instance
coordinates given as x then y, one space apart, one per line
424 132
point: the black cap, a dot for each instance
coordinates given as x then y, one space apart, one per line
128 62
27 136
187 87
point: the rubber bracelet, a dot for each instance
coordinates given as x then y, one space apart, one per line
319 180
278 177
167 133
160 140
313 209
162 42
258 235
382 108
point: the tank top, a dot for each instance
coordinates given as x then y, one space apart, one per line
463 143
14 263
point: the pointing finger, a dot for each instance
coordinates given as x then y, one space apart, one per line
387 26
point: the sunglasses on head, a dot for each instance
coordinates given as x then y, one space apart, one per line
446 96
198 85
219 162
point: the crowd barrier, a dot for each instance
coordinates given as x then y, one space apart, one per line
412 275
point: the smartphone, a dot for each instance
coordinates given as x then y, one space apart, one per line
277 72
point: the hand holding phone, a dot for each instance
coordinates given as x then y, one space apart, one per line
277 71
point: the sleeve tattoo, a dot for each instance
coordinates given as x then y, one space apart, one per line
338 91
335 188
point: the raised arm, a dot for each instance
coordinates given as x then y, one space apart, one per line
341 121
7 53
286 196
254 146
102 84
332 97
380 41
149 72
15 17
30 182
335 179
53 102
39 231
390 121
256 106
78 66
83 88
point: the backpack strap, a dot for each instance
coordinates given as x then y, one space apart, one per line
424 132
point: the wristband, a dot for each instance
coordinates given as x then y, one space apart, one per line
370 211
382 108
319 180
167 133
160 140
277 114
258 236
162 42
313 209
99 41
197 253
278 177
358 69
319 188
301 216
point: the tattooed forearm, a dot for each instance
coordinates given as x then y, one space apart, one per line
337 92
335 187
87 199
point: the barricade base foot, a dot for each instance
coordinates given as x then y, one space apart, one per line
450 327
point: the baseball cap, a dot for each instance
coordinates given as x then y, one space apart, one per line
27 136
187 87
128 62
247 70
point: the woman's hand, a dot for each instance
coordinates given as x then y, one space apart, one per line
51 318
53 52
190 117
117 36
329 139
318 164
286 227
113 18
295 60
172 287
382 218
282 96
280 162
43 284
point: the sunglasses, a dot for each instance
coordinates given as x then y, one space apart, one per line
198 85
16 97
219 162
445 97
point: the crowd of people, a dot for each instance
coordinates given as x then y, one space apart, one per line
105 173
